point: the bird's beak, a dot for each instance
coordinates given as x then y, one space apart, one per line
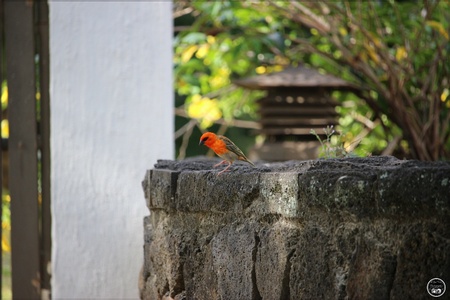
201 142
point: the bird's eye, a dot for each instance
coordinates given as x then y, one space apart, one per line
204 139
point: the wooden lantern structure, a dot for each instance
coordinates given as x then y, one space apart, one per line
298 100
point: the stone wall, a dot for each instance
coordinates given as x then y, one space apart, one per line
359 228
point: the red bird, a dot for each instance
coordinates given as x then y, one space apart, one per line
224 148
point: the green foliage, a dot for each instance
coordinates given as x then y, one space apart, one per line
206 64
394 51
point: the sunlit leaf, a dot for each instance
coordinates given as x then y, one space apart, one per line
205 110
445 94
188 52
343 31
370 50
5 129
260 70
401 53
5 245
438 27
4 97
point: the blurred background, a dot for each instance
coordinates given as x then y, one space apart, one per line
395 54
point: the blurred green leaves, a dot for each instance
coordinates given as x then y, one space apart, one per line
395 51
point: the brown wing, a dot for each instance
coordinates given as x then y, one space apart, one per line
235 149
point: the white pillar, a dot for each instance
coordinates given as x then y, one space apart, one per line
111 119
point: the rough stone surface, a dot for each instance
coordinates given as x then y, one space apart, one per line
359 228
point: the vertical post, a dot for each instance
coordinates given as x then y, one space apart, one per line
20 71
44 70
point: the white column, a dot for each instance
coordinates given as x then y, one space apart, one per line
111 119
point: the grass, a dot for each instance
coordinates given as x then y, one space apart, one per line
333 145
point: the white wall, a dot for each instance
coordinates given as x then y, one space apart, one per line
111 119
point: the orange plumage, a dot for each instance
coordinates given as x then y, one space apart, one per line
224 148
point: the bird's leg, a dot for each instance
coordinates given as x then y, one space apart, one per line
224 170
216 165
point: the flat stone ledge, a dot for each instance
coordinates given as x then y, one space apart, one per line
362 187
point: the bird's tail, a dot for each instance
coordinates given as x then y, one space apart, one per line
247 160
